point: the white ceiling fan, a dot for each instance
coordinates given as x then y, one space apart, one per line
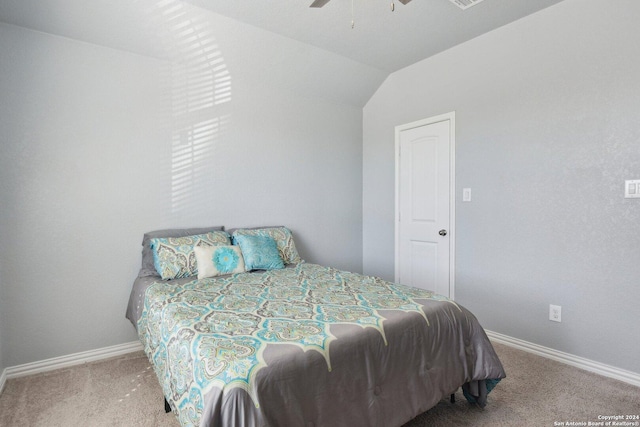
462 4
320 3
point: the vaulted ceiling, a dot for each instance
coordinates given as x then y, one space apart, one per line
311 51
380 38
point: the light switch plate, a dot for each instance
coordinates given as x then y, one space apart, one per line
466 194
632 188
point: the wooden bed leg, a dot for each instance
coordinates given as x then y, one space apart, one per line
453 398
167 407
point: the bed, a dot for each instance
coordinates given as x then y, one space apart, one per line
303 344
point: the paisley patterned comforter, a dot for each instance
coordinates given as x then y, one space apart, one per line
308 346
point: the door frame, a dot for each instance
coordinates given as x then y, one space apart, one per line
451 117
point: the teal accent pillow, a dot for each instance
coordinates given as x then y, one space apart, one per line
218 260
282 236
259 252
174 258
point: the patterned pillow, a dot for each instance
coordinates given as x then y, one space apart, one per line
148 267
259 252
174 258
218 260
282 236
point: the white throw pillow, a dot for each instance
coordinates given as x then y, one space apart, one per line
218 260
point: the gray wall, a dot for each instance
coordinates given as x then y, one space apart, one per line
547 131
99 145
2 322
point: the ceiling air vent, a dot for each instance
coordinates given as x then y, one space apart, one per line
465 4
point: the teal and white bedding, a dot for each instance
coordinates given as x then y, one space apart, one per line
306 346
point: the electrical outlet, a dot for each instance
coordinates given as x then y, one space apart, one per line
555 313
632 188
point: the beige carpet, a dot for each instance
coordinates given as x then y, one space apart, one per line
124 392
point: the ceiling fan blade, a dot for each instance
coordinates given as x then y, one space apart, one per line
404 1
319 3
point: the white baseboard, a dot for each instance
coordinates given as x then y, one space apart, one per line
3 379
117 350
66 361
629 377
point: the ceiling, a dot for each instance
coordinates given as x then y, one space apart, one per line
381 39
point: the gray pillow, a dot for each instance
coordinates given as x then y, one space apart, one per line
148 268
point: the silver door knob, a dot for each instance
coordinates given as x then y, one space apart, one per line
442 232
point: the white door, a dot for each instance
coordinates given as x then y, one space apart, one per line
424 209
